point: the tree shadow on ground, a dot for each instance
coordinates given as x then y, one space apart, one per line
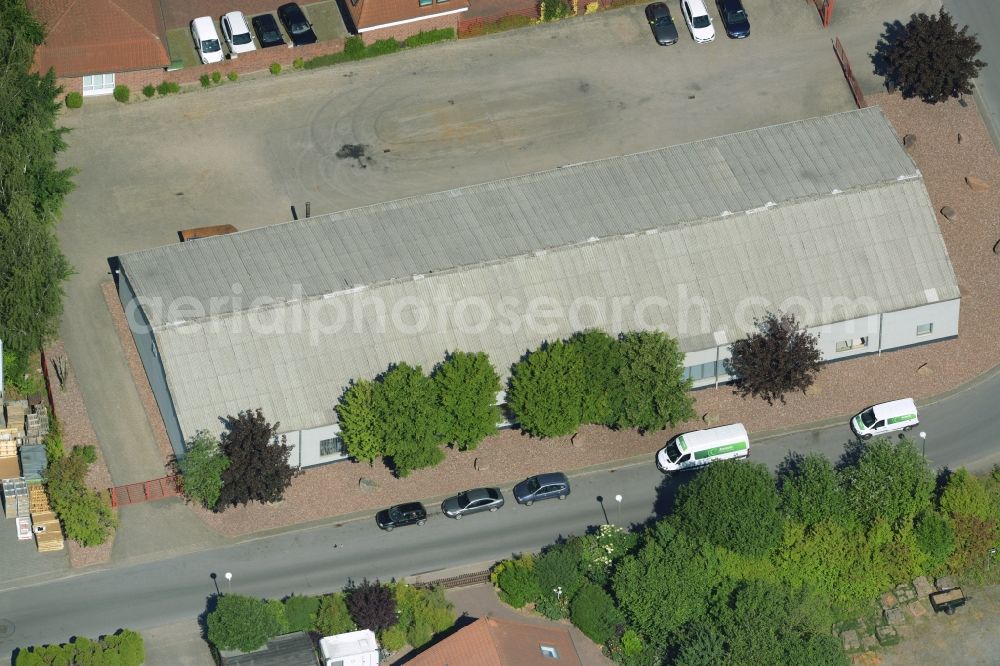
879 58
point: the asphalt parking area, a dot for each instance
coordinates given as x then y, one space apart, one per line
425 120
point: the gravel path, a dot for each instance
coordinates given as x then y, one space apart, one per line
842 387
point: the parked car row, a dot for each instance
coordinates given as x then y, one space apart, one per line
698 20
239 38
553 485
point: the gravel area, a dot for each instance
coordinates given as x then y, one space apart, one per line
842 387
76 429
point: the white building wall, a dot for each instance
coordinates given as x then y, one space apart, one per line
309 445
848 338
899 329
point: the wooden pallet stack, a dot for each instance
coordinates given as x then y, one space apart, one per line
45 524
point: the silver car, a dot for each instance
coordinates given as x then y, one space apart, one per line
472 501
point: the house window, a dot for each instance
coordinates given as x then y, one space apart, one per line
700 371
99 84
331 447
426 3
848 345
925 329
549 652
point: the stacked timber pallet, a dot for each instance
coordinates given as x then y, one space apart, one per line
45 524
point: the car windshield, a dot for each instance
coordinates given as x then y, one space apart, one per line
463 500
531 485
868 417
210 46
673 453
395 513
271 36
701 21
299 28
664 20
737 16
245 38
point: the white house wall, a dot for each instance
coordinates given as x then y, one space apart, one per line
899 329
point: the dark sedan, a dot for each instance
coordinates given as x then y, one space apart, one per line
542 487
735 18
472 501
298 26
267 31
661 23
401 515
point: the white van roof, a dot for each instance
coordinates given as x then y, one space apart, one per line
887 410
699 440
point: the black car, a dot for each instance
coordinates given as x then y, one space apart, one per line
542 487
401 515
661 23
735 18
472 501
267 31
298 26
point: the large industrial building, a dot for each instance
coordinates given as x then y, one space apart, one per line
827 218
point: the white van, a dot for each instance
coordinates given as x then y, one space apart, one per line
206 40
887 417
701 447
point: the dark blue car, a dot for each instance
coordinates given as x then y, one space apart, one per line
734 18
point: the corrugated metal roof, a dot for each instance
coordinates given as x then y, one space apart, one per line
664 257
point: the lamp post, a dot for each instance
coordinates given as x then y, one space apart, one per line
923 443
558 591
618 498
229 582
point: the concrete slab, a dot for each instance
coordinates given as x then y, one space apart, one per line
160 529
177 644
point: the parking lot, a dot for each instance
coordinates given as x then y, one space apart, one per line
425 120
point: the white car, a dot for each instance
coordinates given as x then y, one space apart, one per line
206 40
237 33
698 21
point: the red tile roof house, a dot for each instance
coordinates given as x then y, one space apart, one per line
490 641
382 19
94 45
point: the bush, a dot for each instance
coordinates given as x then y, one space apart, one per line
354 47
216 77
423 38
553 10
372 605
594 613
122 94
546 390
298 63
332 617
965 495
124 648
326 60
232 76
935 539
88 452
245 623
201 469
603 548
301 612
149 90
54 449
275 68
810 489
382 47
889 480
167 88
515 579
422 613
74 100
560 567
86 516
206 80
392 639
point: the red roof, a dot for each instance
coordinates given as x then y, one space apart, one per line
493 642
372 13
100 36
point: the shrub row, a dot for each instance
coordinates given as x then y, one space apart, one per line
355 49
86 515
399 613
124 648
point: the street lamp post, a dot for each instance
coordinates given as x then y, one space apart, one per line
923 443
618 498
229 582
558 591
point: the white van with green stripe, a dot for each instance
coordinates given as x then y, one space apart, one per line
887 417
701 447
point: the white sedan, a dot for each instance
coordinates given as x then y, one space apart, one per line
698 21
236 31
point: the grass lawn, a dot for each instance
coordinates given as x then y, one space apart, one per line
326 19
180 46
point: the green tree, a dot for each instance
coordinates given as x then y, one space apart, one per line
129 646
361 422
300 612
810 489
602 388
667 583
516 581
546 390
86 515
778 358
732 504
333 617
467 388
654 391
411 419
258 468
889 480
422 612
593 612
560 567
966 495
935 539
201 469
930 58
245 623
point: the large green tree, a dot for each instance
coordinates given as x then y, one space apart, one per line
889 480
732 504
810 489
467 388
86 515
361 421
245 623
32 188
602 388
411 419
201 469
258 468
654 392
546 390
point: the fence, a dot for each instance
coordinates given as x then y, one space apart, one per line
825 8
147 491
463 580
845 64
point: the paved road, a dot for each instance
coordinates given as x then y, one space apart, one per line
961 432
983 19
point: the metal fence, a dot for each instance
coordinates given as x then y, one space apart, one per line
147 491
845 64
